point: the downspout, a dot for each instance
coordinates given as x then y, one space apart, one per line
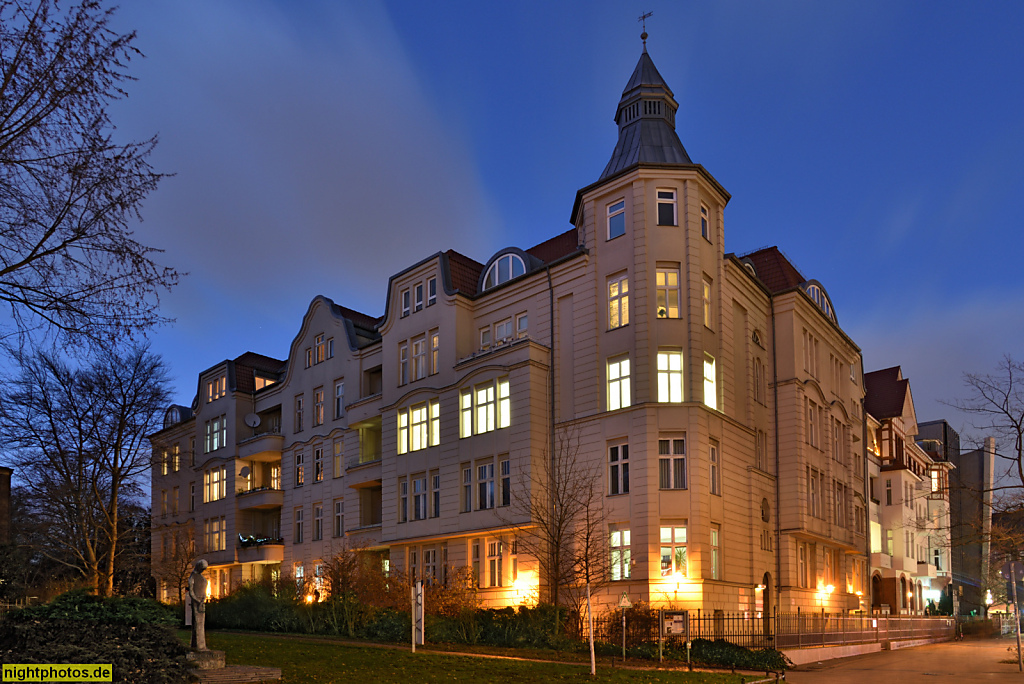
551 404
867 496
778 494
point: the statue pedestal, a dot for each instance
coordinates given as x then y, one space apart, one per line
206 660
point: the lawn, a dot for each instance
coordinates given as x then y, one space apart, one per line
303 661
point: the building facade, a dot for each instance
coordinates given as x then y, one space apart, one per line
714 397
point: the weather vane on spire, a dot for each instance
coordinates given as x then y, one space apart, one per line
643 21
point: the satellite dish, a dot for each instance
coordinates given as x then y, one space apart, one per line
244 472
252 420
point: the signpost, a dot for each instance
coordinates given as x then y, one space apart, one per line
417 614
1013 571
624 603
673 623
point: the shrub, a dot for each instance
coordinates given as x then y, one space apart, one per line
253 606
139 653
388 624
80 605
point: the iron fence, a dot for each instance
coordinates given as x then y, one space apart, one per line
781 631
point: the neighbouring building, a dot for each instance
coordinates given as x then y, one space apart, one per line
909 511
715 398
970 510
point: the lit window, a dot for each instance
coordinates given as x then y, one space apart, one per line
618 383
618 301
710 390
318 406
300 469
309 357
504 268
216 434
716 469
616 219
403 432
673 551
667 284
620 560
618 469
320 349
704 223
670 377
216 388
435 352
707 302
418 415
716 552
339 452
667 208
485 408
435 422
672 463
318 465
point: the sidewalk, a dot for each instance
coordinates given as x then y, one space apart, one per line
951 661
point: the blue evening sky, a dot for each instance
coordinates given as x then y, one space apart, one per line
320 147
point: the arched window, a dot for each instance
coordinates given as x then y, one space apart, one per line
505 267
172 417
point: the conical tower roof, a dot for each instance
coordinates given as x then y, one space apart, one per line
646 117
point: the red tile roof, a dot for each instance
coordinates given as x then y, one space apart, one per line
246 366
465 272
557 247
886 392
774 269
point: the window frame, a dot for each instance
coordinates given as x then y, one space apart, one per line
673 545
672 463
431 291
618 386
710 382
619 554
618 468
406 302
618 301
613 212
664 292
671 201
670 380
715 467
705 222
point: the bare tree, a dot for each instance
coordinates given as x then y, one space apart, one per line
996 403
176 554
78 436
68 191
560 521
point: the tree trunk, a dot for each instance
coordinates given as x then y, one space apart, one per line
590 630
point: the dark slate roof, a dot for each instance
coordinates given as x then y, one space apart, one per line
465 272
774 269
885 392
358 318
557 247
243 369
646 137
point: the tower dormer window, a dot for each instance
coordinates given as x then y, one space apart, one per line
504 268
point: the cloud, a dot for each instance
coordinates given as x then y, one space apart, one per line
308 161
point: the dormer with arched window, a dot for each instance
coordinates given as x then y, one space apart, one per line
504 268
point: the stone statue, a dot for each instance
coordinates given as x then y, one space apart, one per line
197 585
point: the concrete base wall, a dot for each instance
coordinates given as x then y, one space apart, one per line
802 656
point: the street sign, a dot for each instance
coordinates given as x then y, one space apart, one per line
624 602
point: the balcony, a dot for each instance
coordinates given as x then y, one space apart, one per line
265 446
271 551
925 570
260 498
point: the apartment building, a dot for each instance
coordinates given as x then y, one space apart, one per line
715 398
910 517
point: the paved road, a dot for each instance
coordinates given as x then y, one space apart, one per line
963 661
